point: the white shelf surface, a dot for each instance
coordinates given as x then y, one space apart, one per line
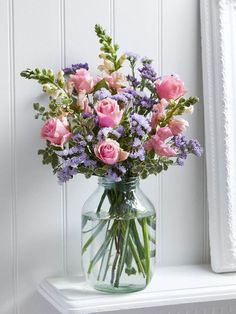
169 286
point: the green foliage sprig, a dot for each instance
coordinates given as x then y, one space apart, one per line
177 108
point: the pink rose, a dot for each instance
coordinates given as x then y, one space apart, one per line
157 142
109 152
116 80
56 131
170 87
158 112
83 81
178 126
109 113
83 103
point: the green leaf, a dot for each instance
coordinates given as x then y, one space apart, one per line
54 161
165 166
130 271
36 106
101 84
41 109
100 171
41 151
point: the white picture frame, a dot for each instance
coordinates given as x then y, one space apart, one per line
218 27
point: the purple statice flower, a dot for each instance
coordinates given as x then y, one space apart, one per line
120 130
148 72
77 137
112 175
130 92
195 147
116 172
86 115
180 142
140 125
68 152
105 132
140 98
138 154
181 158
124 96
120 97
146 60
147 102
134 82
65 174
78 154
77 149
180 162
121 169
186 147
74 67
116 133
102 94
137 142
132 56
89 138
63 153
90 163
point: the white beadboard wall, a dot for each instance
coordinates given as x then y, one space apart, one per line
39 220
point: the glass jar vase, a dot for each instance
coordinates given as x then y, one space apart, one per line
118 237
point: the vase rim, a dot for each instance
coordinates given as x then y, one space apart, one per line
127 182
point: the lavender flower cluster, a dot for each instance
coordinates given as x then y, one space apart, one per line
74 157
134 82
110 132
116 172
140 125
186 147
148 72
74 67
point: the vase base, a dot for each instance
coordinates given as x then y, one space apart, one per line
121 289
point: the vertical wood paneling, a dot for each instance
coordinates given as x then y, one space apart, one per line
7 204
81 46
38 207
160 176
64 207
183 203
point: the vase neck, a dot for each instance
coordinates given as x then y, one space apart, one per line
126 184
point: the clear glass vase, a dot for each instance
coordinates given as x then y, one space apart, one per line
118 237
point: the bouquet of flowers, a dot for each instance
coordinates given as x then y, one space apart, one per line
114 126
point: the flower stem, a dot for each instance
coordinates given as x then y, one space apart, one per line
93 236
146 249
122 256
117 244
136 256
108 260
101 201
101 252
102 261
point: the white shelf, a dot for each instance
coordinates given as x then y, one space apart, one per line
170 285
